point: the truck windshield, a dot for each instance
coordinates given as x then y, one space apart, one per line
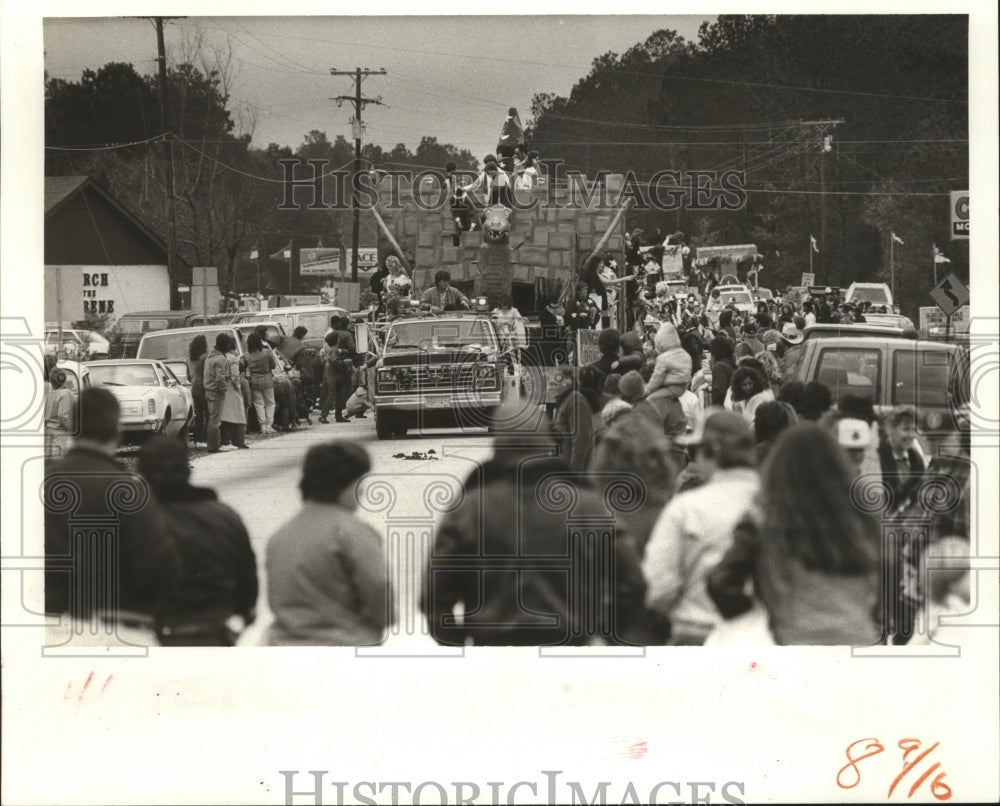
433 334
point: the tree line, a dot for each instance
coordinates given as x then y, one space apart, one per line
761 94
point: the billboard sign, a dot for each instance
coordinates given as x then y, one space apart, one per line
320 261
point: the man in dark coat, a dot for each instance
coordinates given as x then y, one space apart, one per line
532 578
109 562
217 598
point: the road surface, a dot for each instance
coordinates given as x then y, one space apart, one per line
402 498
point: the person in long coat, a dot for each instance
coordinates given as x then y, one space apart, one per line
234 413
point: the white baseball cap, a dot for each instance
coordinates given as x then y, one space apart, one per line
853 433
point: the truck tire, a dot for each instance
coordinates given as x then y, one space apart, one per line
383 424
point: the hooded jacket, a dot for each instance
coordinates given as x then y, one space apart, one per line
672 370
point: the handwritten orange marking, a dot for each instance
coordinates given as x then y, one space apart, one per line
852 762
908 746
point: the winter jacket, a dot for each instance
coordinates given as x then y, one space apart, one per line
220 570
216 375
516 572
573 427
688 541
673 364
146 564
327 580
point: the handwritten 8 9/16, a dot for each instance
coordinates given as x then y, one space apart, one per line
850 776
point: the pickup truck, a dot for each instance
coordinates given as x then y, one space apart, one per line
930 375
438 371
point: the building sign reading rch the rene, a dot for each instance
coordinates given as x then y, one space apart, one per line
92 282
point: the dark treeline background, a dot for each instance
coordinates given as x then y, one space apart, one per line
755 93
747 95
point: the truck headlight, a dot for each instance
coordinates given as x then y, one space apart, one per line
386 380
486 376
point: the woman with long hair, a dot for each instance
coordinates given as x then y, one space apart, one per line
197 353
811 550
748 389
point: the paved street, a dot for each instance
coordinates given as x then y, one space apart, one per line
401 498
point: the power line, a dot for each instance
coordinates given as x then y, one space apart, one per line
478 57
108 146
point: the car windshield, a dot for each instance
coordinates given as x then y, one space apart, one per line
123 375
247 329
433 334
736 297
175 343
874 295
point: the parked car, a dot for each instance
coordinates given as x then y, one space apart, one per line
932 376
80 345
152 399
763 294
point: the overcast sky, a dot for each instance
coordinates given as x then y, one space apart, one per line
448 77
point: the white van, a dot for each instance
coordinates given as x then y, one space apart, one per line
875 294
314 318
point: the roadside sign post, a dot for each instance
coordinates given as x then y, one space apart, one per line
950 295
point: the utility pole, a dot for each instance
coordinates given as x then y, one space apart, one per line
161 58
359 102
825 146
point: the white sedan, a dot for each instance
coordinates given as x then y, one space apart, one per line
152 399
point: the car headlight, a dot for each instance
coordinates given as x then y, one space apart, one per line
151 406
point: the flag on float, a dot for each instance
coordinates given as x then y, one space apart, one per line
938 257
812 243
897 239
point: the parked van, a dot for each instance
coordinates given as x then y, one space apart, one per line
314 318
130 327
171 346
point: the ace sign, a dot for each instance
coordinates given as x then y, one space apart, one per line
959 215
